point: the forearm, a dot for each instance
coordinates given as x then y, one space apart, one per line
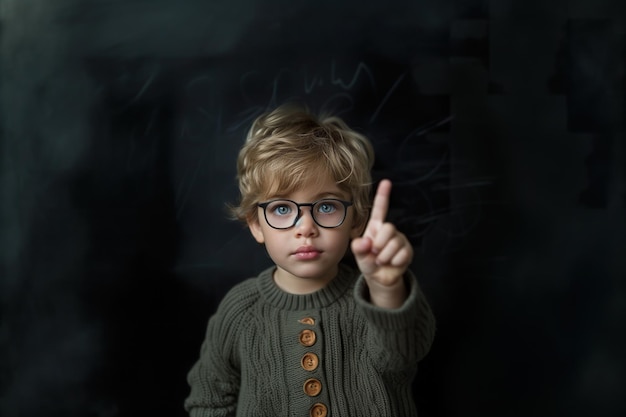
404 333
387 296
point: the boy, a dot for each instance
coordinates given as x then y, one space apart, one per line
311 336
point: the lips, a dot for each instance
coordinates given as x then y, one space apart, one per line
307 253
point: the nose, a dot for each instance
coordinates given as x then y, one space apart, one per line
306 226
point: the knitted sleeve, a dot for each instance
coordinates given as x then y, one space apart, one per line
397 338
215 377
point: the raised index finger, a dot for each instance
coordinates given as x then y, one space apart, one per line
379 207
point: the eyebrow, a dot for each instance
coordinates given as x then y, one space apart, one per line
330 195
319 196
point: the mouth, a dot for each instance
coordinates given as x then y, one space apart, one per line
307 253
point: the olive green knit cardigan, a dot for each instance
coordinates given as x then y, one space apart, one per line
329 353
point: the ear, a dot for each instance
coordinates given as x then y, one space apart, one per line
255 229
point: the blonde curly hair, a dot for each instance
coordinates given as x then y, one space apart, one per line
289 146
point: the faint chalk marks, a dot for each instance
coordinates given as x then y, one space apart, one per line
333 104
386 98
145 86
360 68
212 107
437 167
335 89
187 183
428 127
245 118
430 196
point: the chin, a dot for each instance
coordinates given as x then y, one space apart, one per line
311 272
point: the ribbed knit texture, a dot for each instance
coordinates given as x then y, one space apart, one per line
251 359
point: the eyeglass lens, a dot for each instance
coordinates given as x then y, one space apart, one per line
283 213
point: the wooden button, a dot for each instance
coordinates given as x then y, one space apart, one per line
318 410
307 337
310 361
312 387
307 320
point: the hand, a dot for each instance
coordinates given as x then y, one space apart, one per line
383 254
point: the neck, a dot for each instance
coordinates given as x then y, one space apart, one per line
300 286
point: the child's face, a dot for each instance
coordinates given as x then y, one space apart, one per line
307 251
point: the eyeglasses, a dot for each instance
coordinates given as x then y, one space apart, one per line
284 214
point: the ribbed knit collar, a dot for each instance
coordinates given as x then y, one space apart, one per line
344 280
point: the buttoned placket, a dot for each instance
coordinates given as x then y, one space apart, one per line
310 362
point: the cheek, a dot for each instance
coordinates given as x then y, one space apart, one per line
342 240
356 229
273 245
356 232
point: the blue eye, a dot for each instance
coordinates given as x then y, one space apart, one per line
281 209
327 207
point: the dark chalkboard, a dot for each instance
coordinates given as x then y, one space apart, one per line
501 125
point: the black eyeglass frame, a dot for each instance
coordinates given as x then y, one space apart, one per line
346 204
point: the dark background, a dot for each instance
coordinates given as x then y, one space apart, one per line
501 124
